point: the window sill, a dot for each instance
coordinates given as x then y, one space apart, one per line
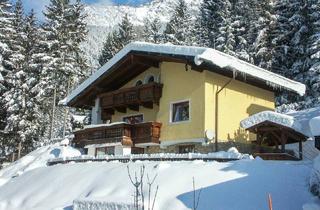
179 122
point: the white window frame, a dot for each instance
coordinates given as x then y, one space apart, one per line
171 111
131 115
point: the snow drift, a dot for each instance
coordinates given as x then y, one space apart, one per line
36 159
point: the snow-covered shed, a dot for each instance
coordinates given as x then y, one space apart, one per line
280 129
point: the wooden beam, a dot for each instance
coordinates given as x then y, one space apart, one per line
148 105
300 150
145 61
121 109
284 139
134 107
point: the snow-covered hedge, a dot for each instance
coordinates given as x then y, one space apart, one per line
315 177
100 205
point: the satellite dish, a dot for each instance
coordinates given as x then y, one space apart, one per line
209 134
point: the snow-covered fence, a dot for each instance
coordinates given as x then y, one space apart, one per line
152 157
100 205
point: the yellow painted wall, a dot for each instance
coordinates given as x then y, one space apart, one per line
181 85
236 102
148 114
151 71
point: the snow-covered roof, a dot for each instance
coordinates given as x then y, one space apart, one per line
1 78
201 55
305 121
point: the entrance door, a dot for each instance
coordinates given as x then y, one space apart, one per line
134 119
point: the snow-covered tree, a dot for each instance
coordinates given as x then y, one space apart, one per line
110 48
262 47
64 30
152 30
15 94
179 29
214 27
117 39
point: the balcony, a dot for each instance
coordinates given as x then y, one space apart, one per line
126 134
132 98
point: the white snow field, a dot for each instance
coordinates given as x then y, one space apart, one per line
235 185
36 159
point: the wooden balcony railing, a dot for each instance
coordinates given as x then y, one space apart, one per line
126 134
146 133
145 95
119 133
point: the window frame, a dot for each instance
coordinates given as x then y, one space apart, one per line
105 150
147 77
133 115
171 112
139 80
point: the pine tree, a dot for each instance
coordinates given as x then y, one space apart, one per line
6 30
262 46
15 96
125 33
117 39
152 30
225 39
64 30
179 29
312 76
213 21
109 49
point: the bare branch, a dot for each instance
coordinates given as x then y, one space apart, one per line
154 198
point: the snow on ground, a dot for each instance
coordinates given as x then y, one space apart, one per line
36 159
30 184
242 184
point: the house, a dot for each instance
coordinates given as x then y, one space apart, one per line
164 98
275 129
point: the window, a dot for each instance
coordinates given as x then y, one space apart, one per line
133 119
149 79
186 149
180 112
104 151
138 83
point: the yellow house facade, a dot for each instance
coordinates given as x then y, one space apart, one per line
160 98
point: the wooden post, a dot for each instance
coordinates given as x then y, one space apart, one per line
283 141
300 149
12 157
270 201
19 150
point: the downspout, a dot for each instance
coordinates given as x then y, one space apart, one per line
217 110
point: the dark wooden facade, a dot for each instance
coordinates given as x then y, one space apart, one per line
130 98
126 134
273 134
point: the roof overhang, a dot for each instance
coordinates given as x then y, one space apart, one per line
268 121
136 57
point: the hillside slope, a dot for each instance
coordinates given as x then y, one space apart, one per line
239 185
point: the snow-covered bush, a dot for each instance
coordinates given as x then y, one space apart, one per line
315 177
